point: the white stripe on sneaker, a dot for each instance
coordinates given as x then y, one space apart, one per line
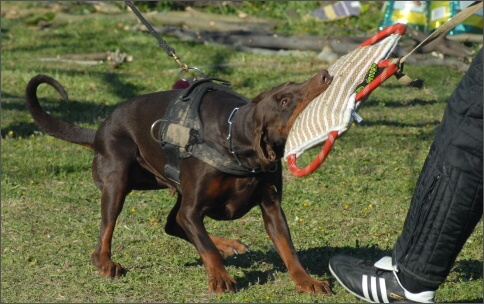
374 290
364 287
383 288
375 293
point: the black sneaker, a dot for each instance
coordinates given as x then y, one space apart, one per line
374 282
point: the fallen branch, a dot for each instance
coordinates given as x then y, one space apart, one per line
82 62
328 48
260 39
191 18
114 58
432 60
441 44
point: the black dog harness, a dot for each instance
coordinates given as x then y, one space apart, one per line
180 132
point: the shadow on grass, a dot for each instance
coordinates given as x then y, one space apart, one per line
399 104
476 300
81 112
389 123
468 269
73 111
315 261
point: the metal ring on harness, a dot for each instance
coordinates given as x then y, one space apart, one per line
153 127
182 71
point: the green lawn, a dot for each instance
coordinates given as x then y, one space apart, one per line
355 204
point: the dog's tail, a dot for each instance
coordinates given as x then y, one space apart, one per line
51 125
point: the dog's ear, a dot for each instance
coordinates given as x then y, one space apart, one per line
268 93
266 155
259 97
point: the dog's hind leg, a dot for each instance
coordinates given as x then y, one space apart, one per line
228 247
112 177
172 228
187 223
111 205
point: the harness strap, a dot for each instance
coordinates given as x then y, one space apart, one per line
216 159
180 131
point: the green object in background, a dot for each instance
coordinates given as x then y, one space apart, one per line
406 12
471 28
439 13
468 30
430 15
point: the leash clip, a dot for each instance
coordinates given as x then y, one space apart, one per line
201 74
179 62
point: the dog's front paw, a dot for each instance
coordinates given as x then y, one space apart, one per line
314 286
222 283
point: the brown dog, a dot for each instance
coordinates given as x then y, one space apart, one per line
127 157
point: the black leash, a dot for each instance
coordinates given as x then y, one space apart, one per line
162 43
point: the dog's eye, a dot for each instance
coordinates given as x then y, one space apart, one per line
284 101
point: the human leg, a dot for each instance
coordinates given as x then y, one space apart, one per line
447 201
445 208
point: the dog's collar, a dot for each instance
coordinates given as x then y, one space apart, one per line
229 138
231 148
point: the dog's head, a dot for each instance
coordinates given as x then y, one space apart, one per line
276 112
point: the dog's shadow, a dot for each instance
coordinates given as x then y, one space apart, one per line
314 260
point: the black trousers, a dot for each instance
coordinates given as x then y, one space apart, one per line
447 201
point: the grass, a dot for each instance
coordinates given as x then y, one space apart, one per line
355 204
